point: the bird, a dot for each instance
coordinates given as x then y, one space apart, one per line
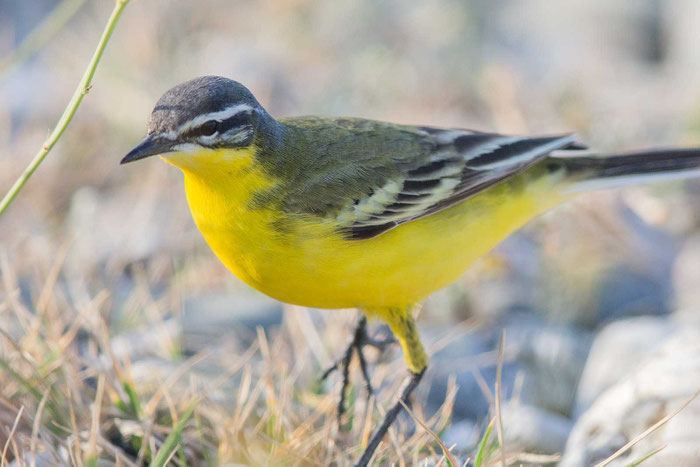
340 213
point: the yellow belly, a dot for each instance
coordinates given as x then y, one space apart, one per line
311 265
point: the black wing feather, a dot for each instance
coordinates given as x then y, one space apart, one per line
484 159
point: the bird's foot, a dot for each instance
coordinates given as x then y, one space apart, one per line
360 339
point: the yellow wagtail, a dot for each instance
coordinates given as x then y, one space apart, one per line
345 212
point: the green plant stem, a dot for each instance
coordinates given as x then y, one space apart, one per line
82 89
35 40
173 439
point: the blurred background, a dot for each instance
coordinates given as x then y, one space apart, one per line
598 298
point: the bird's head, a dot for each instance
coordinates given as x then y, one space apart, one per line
192 122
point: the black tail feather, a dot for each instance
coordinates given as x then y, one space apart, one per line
591 172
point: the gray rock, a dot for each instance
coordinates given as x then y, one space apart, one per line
616 351
686 275
39 459
463 434
210 317
144 341
514 289
624 291
532 429
642 286
654 388
461 358
206 376
547 358
552 357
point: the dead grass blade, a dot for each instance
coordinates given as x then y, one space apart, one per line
35 429
445 451
366 430
497 397
646 432
9 437
535 459
95 425
483 385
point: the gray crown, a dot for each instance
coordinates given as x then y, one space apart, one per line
195 97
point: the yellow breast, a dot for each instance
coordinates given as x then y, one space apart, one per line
310 264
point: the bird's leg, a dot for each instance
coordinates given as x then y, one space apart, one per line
389 418
359 340
379 344
404 328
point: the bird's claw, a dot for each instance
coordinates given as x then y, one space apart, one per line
360 339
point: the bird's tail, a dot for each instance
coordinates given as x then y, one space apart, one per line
588 172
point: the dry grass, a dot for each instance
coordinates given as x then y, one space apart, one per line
72 393
96 261
644 434
68 396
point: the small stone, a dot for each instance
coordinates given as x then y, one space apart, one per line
462 435
616 351
655 387
552 357
532 429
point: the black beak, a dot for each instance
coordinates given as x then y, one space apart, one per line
150 146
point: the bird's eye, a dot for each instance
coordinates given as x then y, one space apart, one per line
208 128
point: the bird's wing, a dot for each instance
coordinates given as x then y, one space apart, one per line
459 164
